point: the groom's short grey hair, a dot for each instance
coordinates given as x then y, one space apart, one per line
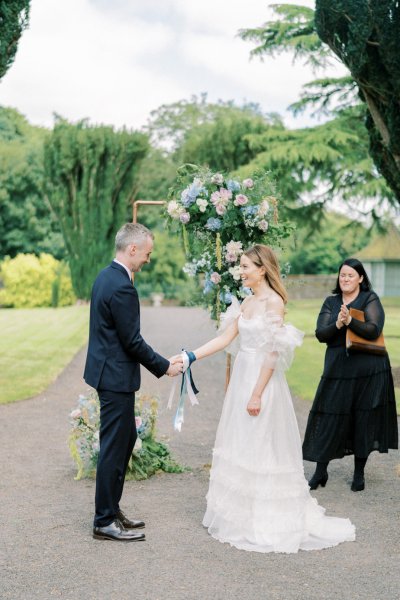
131 233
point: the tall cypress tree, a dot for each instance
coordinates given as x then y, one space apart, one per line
90 176
14 18
365 35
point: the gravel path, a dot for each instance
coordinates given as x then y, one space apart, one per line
46 548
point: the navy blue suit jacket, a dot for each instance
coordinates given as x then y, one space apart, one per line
116 348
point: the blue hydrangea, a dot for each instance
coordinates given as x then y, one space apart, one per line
226 297
213 224
249 210
232 185
208 286
190 194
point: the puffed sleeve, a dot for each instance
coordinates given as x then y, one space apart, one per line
227 319
278 340
230 315
286 338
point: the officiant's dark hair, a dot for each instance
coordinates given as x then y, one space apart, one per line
354 263
264 256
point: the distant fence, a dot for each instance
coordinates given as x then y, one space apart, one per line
301 287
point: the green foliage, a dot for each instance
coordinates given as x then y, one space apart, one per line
171 124
365 37
27 224
91 176
325 248
30 281
14 18
149 454
293 30
164 273
323 162
222 144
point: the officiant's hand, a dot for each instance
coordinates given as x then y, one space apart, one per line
345 315
254 405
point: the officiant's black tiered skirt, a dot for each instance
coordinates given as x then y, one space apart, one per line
354 410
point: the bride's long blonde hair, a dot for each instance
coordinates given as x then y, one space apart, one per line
264 256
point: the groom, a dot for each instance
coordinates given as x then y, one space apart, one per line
116 351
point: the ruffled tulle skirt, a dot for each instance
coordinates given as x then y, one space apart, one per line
259 499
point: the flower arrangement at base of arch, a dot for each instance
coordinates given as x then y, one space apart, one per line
219 217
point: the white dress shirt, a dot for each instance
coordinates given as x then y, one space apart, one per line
125 267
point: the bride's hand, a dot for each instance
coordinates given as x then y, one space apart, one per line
254 406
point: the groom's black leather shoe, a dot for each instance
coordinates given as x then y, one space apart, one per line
116 532
128 523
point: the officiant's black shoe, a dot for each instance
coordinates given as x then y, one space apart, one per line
358 484
116 532
128 523
316 480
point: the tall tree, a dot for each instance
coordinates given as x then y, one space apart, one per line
222 143
26 221
365 35
14 18
91 174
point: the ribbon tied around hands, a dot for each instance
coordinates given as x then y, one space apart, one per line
187 387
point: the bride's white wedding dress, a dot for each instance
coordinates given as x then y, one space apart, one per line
258 497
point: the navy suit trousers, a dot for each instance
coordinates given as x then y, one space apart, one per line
117 439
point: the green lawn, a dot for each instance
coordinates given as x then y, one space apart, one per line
306 370
35 346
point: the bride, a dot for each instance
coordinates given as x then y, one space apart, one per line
258 497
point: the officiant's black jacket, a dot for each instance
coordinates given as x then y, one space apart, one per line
116 348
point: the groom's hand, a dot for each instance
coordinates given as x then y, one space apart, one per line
175 365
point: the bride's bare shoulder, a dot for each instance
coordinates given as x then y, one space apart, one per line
275 304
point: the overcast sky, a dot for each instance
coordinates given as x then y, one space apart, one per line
114 61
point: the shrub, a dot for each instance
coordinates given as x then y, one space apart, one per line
31 281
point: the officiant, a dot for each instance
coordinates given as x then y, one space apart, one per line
354 410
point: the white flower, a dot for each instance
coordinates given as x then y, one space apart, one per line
235 272
174 209
76 413
233 247
263 225
202 204
138 444
218 179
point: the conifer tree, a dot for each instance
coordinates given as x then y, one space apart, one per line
365 35
90 174
14 18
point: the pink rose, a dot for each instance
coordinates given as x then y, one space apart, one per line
263 225
76 413
215 277
248 183
229 257
241 200
225 194
184 217
221 210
